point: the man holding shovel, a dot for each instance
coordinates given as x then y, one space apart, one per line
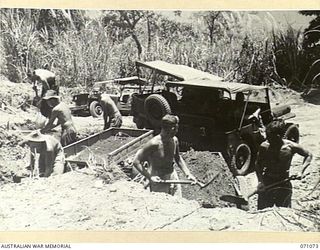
273 166
160 152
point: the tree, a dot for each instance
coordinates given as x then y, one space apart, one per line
125 21
312 32
151 19
210 19
311 46
51 20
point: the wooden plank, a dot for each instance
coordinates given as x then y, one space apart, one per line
131 143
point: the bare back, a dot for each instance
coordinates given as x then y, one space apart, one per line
46 78
109 107
63 113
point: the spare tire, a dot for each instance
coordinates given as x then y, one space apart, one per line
156 107
96 109
241 159
292 133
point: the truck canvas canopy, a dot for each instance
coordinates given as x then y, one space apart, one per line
231 87
179 72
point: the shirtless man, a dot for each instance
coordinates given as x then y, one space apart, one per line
111 114
46 78
51 156
160 152
273 165
62 113
48 81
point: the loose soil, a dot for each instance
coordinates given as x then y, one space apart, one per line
102 148
205 166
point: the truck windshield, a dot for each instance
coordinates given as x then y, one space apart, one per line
258 96
154 77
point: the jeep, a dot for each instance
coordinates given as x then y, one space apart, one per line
120 90
206 106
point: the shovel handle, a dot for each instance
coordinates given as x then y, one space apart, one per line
277 183
175 181
181 182
171 182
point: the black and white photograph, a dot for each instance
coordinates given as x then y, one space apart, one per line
159 120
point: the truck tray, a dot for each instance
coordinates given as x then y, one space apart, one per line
111 146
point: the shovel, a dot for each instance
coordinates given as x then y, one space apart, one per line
240 200
199 183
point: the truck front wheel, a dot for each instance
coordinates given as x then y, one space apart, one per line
240 162
96 109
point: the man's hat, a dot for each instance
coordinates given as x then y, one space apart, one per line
35 136
51 94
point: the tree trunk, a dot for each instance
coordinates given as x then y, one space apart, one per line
149 34
211 29
139 47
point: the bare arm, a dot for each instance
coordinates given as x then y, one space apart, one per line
35 86
50 124
107 122
140 157
46 84
303 152
32 159
181 163
106 117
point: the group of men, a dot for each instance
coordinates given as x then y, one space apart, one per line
162 151
49 149
272 165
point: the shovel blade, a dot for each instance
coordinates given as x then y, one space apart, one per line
234 199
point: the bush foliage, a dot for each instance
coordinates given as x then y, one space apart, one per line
239 46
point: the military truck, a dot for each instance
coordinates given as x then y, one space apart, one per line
206 105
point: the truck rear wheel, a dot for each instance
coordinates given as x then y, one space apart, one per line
96 109
156 107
